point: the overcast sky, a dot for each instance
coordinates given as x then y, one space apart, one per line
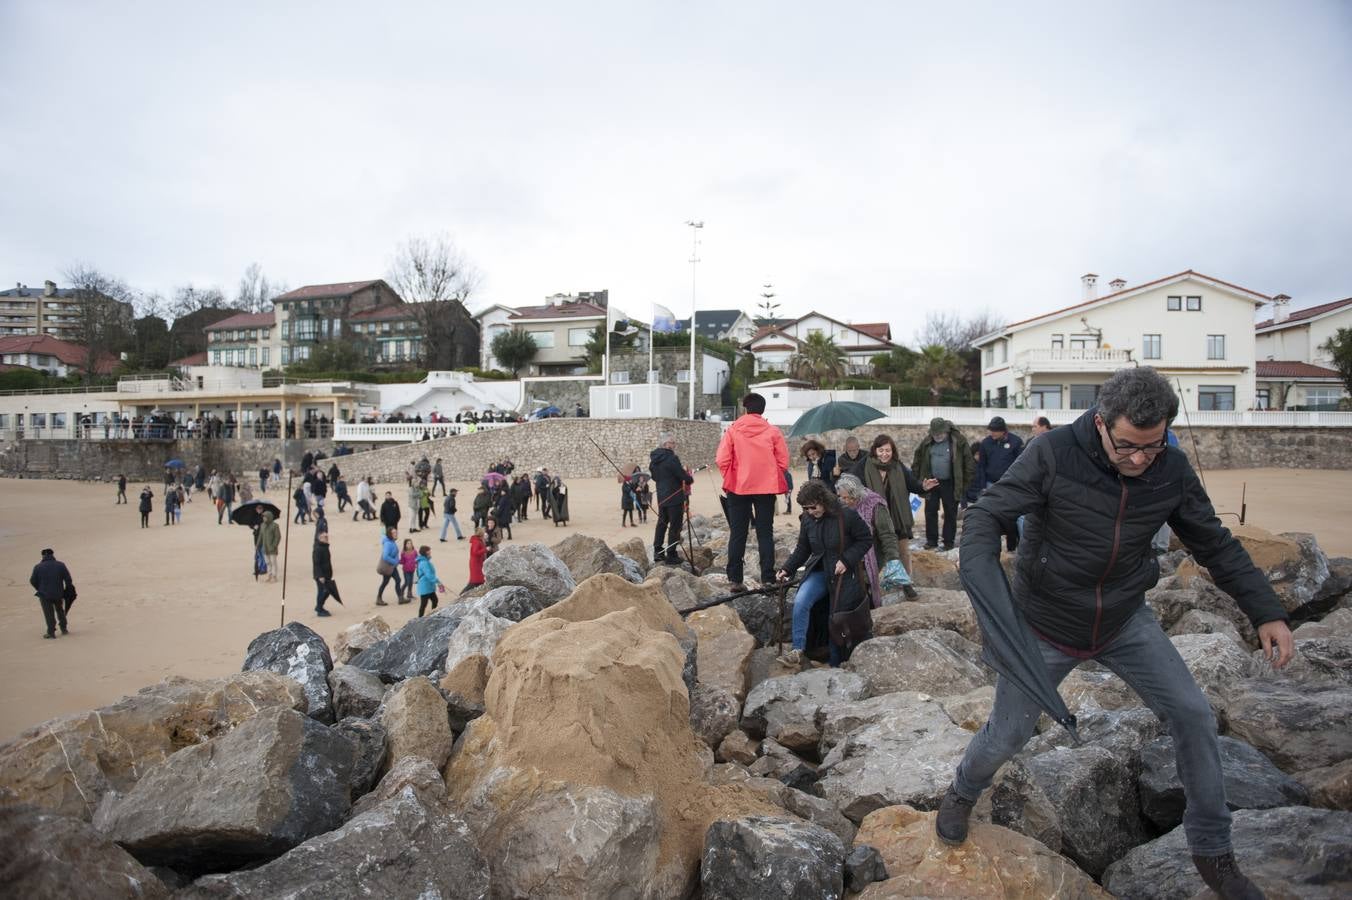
871 160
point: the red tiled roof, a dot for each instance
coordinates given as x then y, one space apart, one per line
580 310
70 354
196 359
777 347
388 311
767 330
1281 368
880 330
321 291
244 320
1301 315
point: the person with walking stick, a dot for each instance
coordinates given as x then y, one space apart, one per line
671 478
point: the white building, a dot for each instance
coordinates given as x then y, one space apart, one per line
1294 369
1193 328
773 345
633 401
493 321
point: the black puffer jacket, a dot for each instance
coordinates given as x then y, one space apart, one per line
669 475
819 542
1085 561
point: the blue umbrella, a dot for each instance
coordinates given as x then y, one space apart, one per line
547 412
174 464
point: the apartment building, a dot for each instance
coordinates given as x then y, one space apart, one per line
320 312
1195 329
390 333
1294 369
244 340
49 310
561 328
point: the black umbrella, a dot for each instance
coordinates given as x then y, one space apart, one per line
251 512
1008 644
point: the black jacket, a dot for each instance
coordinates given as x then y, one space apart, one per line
389 513
822 468
996 458
819 543
670 476
1085 561
51 578
448 505
853 467
322 560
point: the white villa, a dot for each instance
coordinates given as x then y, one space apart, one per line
1294 371
772 345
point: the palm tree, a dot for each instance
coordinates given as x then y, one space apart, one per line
938 369
818 360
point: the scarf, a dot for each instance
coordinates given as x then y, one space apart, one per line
867 506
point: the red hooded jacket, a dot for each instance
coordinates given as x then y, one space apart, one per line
753 456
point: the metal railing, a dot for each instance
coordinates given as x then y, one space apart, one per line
1073 360
1022 418
407 432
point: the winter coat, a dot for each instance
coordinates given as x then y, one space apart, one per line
427 576
50 578
819 543
146 502
670 475
322 561
996 458
477 554
896 489
752 457
1085 561
482 503
389 550
448 505
269 535
408 560
822 469
852 466
963 467
389 513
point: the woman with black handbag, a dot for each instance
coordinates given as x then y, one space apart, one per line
832 542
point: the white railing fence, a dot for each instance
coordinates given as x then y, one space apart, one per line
407 432
1020 419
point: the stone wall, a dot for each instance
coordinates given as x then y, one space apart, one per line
561 445
100 460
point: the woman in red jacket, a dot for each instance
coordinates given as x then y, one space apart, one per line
477 553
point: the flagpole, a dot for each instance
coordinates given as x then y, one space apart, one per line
652 389
605 365
695 227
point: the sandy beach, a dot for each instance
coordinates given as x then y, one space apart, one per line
182 600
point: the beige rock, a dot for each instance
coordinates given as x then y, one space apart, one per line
738 747
1336 624
970 711
636 549
1329 787
413 772
950 610
468 679
681 588
66 765
931 570
994 862
724 650
356 638
416 723
586 556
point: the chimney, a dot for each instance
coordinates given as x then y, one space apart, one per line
1090 283
1117 284
1281 308
49 289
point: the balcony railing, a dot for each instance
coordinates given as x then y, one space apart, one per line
407 432
1075 360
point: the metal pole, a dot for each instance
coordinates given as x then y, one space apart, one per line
695 227
286 543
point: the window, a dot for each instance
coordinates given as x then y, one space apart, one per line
324 328
300 353
1058 341
1215 397
1084 342
1175 304
37 420
265 355
1002 397
1004 351
1194 304
619 377
253 357
578 337
1150 346
624 400
989 357
1083 396
337 327
4 421
683 376
215 357
286 356
58 420
1322 397
1045 396
1262 399
286 329
1215 346
543 339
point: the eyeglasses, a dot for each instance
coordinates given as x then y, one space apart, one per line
1130 449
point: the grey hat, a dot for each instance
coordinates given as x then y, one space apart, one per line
938 425
997 424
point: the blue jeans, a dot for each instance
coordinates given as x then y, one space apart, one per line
448 520
1142 656
811 591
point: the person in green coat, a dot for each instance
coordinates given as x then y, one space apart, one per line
944 465
269 539
887 476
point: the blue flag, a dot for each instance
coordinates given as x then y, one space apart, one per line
664 320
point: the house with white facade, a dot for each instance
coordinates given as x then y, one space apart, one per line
493 321
722 325
1195 329
1294 369
773 345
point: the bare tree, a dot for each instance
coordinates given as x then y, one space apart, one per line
952 332
189 299
256 291
433 275
103 314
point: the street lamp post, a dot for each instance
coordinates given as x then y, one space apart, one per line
695 226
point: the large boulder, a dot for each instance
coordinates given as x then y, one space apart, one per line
275 781
934 570
803 805
531 566
1317 661
512 602
769 858
907 754
463 687
636 548
402 849
937 609
418 648
1292 562
1292 851
1297 726
66 765
714 713
369 742
1215 662
1329 786
1094 796
682 589
355 638
1337 624
586 556
1177 595
760 614
46 855
970 711
1122 732
941 663
786 708
783 765
411 773
994 862
297 651
1201 621
1251 782
478 633
416 723
724 649
356 692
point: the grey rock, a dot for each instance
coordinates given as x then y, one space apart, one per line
1297 726
356 692
400 849
368 738
1094 795
1016 801
512 602
1299 581
413 773
1171 599
1200 621
765 858
1291 851
418 648
478 633
760 615
941 663
1122 732
48 855
298 652
1215 661
863 866
1318 660
275 781
838 720
682 588
783 765
1251 782
936 609
713 713
1337 624
533 566
586 556
907 756
803 805
631 570
790 703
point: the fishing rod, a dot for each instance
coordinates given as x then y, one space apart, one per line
1196 453
719 601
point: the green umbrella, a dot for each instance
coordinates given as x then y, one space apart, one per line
838 414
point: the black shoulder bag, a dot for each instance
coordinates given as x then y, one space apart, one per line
851 616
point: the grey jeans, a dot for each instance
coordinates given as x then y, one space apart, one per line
1142 656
